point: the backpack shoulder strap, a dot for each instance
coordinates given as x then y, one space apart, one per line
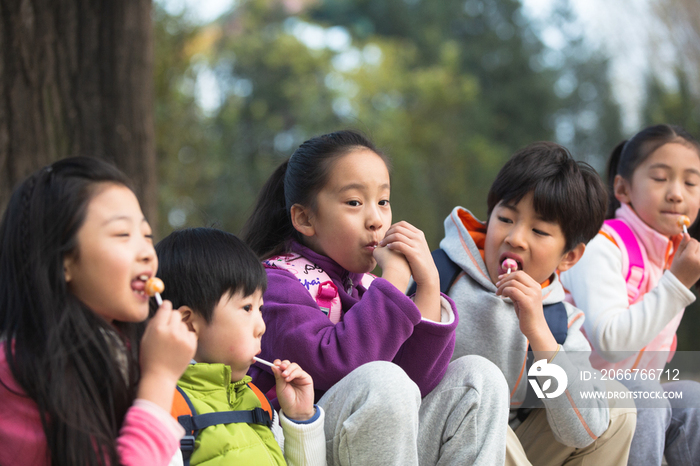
315 280
447 270
181 404
198 422
187 416
557 320
193 422
264 402
633 268
182 409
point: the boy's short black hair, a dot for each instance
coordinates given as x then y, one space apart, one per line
200 265
565 191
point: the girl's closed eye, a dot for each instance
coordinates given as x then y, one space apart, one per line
540 232
658 175
504 219
118 229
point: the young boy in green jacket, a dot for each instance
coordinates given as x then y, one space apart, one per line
217 283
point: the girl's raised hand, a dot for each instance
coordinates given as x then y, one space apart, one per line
408 240
686 263
395 268
295 390
404 238
166 349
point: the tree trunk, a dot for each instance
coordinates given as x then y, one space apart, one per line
76 79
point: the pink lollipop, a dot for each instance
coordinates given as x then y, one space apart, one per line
509 264
683 221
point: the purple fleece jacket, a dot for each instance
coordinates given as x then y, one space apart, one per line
378 324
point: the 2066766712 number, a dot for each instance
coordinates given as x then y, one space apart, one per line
640 374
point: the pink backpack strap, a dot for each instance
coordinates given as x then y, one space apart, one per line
314 279
367 279
632 256
327 292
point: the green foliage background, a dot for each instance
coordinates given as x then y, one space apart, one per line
448 89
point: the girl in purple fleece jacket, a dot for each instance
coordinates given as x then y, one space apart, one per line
382 368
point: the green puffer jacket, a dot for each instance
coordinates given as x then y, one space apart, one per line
210 389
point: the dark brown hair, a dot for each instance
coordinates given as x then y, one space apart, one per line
565 191
61 353
297 181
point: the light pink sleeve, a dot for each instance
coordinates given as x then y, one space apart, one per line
149 435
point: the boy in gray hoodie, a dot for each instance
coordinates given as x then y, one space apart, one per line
543 208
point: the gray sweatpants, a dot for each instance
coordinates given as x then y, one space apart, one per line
375 416
668 427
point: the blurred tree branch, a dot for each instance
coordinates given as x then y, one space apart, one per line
682 20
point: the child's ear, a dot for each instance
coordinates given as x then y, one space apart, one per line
301 220
571 257
68 262
190 319
621 189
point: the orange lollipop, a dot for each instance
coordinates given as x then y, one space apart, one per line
683 221
154 287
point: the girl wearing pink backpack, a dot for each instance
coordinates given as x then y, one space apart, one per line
380 360
633 285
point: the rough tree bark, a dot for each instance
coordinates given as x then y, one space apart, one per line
76 79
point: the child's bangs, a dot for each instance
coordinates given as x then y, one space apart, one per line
552 200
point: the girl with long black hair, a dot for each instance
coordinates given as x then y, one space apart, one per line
75 252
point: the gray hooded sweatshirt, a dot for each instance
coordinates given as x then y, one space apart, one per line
488 326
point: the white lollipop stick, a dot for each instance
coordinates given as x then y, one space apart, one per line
262 361
159 300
